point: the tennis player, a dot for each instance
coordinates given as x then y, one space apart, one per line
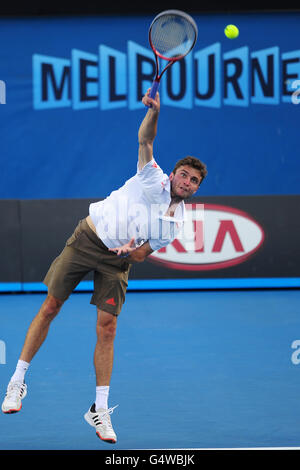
142 216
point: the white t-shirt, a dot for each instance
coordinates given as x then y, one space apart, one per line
138 210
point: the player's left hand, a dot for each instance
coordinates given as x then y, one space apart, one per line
126 249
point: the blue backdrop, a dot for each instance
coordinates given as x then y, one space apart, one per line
70 105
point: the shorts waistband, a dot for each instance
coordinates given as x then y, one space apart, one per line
92 235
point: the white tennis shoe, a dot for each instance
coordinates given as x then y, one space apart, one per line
15 393
100 420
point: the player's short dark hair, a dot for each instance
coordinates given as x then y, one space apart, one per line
194 163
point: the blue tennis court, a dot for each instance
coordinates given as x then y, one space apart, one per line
193 369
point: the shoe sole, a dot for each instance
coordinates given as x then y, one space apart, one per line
110 441
88 420
11 411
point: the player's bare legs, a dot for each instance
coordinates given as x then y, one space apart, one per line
39 327
104 350
98 415
36 335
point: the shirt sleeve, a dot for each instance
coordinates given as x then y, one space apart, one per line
153 180
168 232
156 244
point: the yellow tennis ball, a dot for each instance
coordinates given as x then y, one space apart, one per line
231 31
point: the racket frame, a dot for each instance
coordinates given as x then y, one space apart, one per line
157 54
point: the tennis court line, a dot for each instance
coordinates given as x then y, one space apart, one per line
170 284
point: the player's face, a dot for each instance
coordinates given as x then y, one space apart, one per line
185 182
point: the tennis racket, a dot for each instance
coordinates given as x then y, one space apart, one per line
172 35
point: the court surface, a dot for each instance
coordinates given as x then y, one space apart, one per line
210 369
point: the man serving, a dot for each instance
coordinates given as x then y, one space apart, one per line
142 216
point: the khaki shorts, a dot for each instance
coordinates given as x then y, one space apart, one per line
85 252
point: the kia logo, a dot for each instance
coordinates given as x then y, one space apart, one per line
215 237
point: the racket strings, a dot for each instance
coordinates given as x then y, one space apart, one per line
172 36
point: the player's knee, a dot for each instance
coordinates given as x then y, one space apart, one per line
51 307
107 329
108 333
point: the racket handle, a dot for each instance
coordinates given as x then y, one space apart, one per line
153 90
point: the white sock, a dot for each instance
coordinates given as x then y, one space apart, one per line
19 375
102 392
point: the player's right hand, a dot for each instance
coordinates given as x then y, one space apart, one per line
155 103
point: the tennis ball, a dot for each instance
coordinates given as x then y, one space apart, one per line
231 31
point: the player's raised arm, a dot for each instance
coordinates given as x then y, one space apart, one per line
148 130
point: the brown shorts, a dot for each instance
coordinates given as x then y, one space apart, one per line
85 252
